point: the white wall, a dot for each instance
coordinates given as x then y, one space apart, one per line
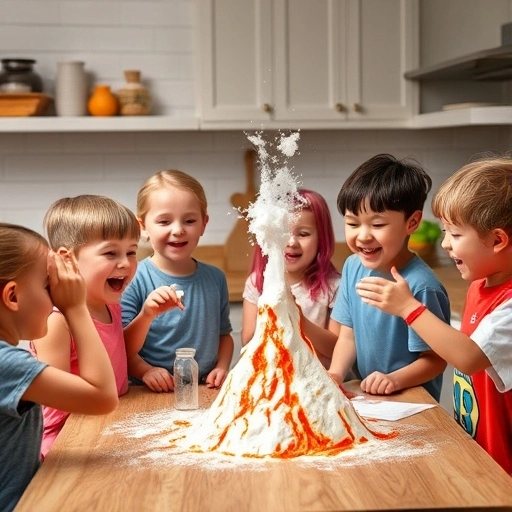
36 169
454 28
109 36
158 38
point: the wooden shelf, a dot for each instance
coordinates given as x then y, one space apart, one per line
494 64
35 124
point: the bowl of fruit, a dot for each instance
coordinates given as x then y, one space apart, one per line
423 241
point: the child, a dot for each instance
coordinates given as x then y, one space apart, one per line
103 235
382 203
475 207
172 209
309 271
31 281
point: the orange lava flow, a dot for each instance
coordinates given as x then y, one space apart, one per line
305 440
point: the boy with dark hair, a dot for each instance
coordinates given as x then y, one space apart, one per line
382 203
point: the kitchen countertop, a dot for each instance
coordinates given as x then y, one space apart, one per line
90 470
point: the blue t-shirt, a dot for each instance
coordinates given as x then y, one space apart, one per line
200 325
384 342
21 424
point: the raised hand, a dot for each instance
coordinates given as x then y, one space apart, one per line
66 284
162 299
392 297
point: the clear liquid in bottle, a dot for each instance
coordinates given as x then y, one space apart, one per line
186 380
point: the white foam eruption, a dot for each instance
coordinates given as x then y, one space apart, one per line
278 401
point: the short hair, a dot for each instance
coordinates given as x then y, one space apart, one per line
19 247
170 178
316 277
385 183
73 222
478 195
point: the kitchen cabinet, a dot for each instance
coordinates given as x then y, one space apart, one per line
306 63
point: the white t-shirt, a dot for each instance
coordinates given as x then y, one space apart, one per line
317 311
493 335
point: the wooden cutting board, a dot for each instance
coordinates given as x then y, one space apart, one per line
238 248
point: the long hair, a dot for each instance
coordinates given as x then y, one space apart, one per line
321 270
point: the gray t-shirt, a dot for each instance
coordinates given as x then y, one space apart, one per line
21 424
200 325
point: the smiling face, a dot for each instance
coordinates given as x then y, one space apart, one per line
302 247
380 238
107 267
474 256
174 223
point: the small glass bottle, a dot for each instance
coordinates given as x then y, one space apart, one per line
186 379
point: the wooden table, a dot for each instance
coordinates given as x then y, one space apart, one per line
83 473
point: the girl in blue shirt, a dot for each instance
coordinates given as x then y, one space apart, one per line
32 282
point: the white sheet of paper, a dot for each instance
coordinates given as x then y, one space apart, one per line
386 410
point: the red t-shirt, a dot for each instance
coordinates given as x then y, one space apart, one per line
484 412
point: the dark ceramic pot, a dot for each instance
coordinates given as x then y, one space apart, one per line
18 76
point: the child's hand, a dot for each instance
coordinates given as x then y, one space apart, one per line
66 285
392 297
162 299
216 377
158 380
338 380
378 383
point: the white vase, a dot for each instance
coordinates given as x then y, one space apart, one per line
71 89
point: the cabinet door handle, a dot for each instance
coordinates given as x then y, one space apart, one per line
267 107
339 107
357 107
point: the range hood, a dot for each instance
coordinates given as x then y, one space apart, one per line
494 64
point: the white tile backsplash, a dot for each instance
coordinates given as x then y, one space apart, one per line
36 169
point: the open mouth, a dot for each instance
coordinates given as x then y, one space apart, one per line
116 283
369 251
457 261
177 244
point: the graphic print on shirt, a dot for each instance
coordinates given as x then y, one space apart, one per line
465 404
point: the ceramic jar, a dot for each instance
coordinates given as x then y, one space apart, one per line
134 98
71 89
18 76
103 102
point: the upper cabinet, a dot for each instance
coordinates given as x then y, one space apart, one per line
306 63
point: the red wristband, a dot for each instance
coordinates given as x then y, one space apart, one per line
415 314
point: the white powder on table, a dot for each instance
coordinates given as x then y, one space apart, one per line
161 439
